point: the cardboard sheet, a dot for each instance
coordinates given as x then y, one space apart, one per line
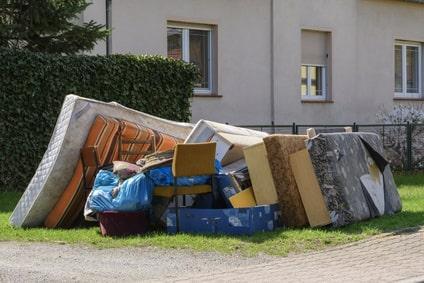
260 174
279 148
309 190
230 140
243 199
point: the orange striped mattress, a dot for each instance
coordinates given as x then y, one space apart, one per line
107 134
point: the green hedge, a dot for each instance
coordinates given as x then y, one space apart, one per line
33 87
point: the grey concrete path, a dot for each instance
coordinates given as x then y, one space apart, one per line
391 258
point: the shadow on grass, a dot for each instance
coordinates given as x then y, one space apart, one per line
8 201
388 223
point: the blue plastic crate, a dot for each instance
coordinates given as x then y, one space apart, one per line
230 221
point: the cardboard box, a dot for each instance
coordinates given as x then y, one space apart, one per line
230 140
229 147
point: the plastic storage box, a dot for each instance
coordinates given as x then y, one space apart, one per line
114 223
231 221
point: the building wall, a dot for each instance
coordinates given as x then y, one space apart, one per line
140 27
362 37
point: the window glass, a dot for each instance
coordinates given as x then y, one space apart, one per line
304 82
398 69
313 81
199 55
412 71
175 43
316 74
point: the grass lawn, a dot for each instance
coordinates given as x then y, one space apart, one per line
280 242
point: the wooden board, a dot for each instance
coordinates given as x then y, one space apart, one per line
260 174
243 199
310 192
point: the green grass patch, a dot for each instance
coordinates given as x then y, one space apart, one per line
280 242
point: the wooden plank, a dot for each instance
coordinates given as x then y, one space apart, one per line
310 192
243 199
260 174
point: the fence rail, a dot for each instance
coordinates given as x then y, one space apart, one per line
403 143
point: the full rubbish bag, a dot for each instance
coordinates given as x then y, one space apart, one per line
134 194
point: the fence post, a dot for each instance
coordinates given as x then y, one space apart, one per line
272 127
294 128
408 146
354 128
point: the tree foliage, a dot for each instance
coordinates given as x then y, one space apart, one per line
49 26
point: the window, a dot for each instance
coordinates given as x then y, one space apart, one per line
314 67
407 69
313 81
193 44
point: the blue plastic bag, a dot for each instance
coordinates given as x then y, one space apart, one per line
134 194
163 177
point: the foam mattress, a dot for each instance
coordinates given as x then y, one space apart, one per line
354 176
60 160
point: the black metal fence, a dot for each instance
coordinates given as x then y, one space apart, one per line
403 143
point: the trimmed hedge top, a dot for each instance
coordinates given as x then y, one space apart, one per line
33 87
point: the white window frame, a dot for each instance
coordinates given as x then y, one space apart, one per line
404 93
309 83
186 51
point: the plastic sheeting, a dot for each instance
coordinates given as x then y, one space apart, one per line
134 194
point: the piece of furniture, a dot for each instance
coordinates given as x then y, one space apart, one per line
89 159
189 160
142 141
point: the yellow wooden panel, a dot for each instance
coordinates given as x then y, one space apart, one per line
310 192
243 199
168 192
260 174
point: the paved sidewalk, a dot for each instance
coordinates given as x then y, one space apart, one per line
391 258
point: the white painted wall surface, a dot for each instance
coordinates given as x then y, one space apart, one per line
363 33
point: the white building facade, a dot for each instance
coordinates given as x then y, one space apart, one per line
280 61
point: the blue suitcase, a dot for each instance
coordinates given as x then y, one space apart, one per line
230 221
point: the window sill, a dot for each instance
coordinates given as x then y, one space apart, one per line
409 98
207 95
317 101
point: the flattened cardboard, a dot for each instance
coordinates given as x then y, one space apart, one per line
309 189
243 199
260 174
230 146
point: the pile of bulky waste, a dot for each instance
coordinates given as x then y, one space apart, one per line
131 172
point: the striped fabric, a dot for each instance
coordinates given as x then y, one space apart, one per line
115 140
